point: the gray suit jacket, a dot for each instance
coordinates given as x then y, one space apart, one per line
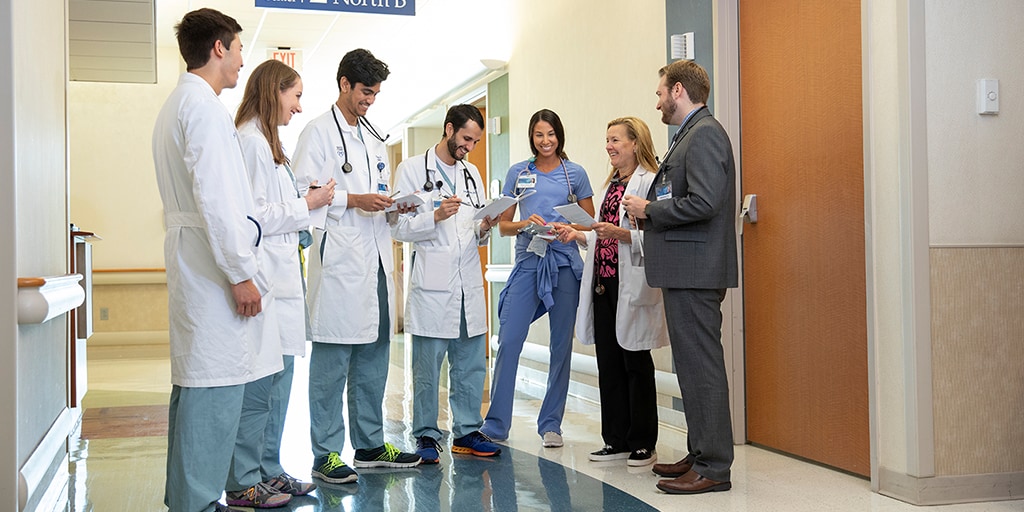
690 238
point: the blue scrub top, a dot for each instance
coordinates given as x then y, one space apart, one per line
551 191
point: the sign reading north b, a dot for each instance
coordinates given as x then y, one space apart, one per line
399 7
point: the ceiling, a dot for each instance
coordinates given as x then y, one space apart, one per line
429 54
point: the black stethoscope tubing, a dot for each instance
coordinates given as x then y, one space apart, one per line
347 167
469 179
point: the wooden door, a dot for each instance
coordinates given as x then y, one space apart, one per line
804 261
478 157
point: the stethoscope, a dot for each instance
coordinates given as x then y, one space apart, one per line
347 167
533 167
470 181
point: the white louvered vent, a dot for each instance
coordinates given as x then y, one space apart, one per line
112 41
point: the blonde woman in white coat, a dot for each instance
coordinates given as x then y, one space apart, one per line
270 100
618 313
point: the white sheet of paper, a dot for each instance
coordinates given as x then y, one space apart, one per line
495 208
575 214
411 199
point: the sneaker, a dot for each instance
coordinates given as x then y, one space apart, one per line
290 485
552 440
642 457
386 456
427 448
608 453
331 469
260 495
217 507
476 443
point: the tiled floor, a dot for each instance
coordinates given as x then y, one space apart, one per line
118 462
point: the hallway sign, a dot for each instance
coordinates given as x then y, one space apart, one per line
399 7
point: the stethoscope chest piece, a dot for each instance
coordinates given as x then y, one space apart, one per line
571 198
599 289
346 167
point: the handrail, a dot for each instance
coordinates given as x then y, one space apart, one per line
125 270
43 298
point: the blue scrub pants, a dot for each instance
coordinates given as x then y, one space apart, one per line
245 462
365 368
202 425
280 392
516 315
466 372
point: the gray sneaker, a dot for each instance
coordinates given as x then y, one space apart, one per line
290 485
260 495
331 469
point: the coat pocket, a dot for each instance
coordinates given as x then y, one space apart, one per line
432 269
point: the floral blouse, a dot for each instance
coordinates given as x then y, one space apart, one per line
606 260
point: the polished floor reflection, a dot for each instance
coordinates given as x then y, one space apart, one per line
117 461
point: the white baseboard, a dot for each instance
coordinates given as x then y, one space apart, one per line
945 490
45 474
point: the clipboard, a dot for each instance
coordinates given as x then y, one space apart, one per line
498 205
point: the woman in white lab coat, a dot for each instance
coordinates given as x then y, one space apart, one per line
270 100
618 312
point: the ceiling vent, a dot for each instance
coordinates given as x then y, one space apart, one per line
112 41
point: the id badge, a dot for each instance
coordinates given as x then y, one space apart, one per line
382 188
663 190
437 200
526 181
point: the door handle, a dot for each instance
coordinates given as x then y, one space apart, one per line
749 211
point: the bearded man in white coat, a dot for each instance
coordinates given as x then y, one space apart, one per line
351 272
219 340
446 311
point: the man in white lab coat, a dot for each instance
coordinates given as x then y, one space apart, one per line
219 340
351 288
446 311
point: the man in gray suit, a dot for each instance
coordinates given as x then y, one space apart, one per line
690 247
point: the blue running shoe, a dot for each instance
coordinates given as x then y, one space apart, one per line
428 449
476 443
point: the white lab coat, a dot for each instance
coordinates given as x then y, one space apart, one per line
344 260
640 313
210 244
446 271
282 214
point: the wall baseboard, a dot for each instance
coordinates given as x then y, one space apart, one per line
945 490
45 474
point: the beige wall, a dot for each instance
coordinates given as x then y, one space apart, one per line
977 329
584 64
975 182
113 184
975 162
944 261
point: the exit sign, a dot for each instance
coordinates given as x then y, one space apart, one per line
292 58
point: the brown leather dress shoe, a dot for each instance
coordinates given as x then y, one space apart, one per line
692 483
674 470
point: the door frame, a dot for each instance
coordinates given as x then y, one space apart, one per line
726 109
916 395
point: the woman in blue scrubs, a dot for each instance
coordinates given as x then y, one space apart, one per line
545 278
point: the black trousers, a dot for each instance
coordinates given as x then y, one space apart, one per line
629 404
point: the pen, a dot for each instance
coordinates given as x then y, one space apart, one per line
460 202
313 187
395 193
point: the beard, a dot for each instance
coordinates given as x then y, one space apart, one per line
667 111
453 150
